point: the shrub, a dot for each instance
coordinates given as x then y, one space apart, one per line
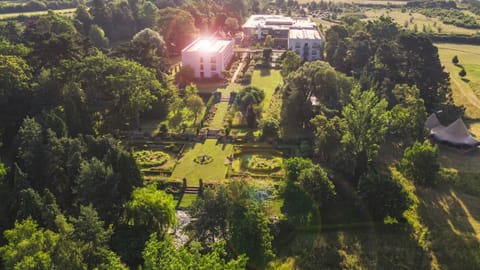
384 196
264 163
420 163
455 60
148 158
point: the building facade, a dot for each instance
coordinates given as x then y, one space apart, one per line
208 57
298 34
306 43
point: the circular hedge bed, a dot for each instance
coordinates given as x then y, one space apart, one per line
263 163
203 159
148 158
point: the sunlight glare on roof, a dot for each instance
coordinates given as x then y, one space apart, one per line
204 44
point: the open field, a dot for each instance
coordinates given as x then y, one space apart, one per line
418 19
365 2
442 231
211 172
66 12
325 24
466 91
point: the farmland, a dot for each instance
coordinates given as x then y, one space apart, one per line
466 91
414 20
65 12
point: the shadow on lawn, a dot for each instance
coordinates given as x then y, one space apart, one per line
345 237
449 216
264 72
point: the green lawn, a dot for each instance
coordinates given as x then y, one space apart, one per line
466 91
66 12
267 80
217 122
211 172
187 200
365 2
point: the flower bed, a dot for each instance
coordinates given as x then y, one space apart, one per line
263 163
149 158
203 159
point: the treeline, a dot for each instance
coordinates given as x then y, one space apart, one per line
431 4
473 6
380 54
177 21
452 16
38 5
460 39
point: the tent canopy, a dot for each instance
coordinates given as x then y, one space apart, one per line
456 133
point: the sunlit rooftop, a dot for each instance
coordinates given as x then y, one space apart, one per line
207 45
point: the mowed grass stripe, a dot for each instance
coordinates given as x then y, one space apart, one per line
465 92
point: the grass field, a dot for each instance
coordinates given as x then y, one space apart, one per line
66 12
466 92
211 172
418 19
267 80
369 2
325 24
187 200
217 122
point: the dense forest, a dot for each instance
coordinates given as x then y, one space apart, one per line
75 197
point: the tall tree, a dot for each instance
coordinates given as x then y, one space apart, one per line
249 95
28 247
30 152
97 36
384 196
164 255
290 63
312 80
116 91
328 135
152 209
177 27
366 119
409 115
53 38
315 182
96 185
94 237
15 93
211 213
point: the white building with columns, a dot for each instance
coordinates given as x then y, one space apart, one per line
208 56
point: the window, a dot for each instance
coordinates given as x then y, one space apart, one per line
213 60
201 67
201 59
213 67
297 51
297 45
314 52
